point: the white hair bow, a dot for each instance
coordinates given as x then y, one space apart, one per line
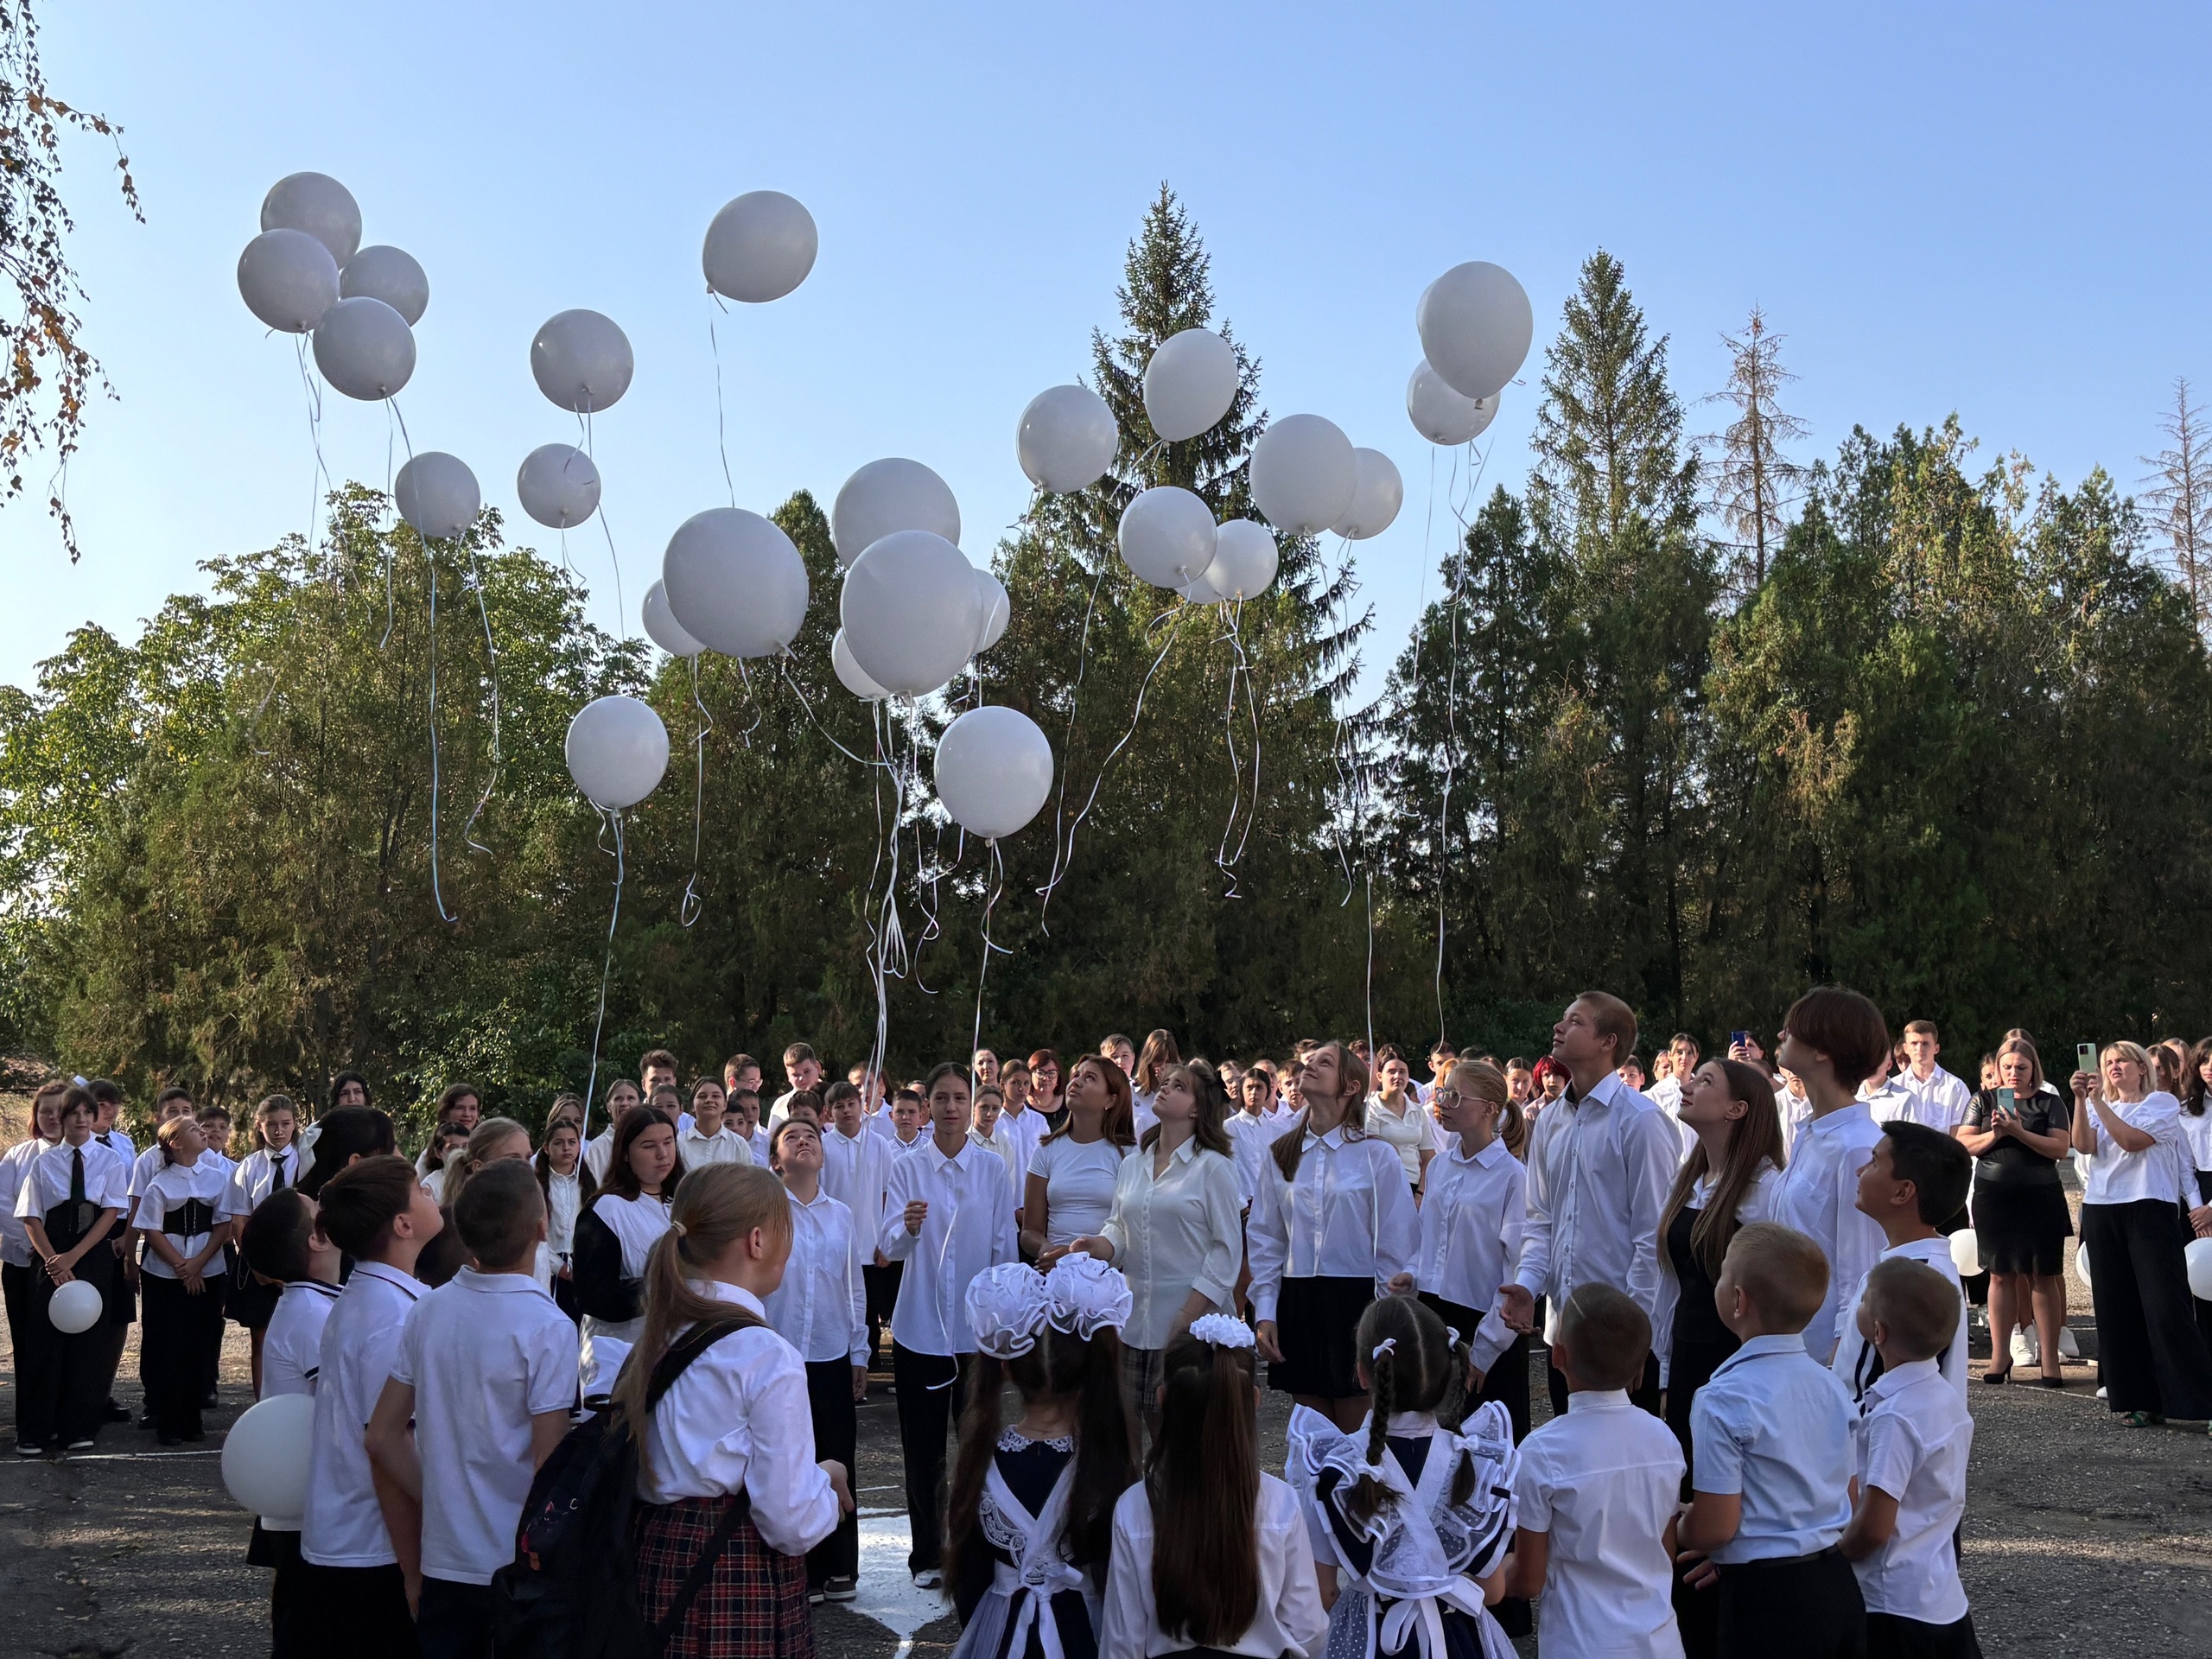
1007 1308
1222 1331
1084 1296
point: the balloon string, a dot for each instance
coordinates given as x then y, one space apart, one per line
430 562
621 605
1067 741
606 971
1477 465
688 908
996 886
759 713
870 913
1236 662
1136 716
721 429
786 657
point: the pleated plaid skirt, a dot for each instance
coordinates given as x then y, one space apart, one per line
754 1606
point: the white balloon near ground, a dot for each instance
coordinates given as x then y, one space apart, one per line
1476 325
75 1307
288 279
319 205
438 494
1441 415
365 348
266 1456
1377 493
888 496
1166 536
850 674
912 612
582 361
617 751
997 606
1067 439
662 628
1245 560
993 770
1303 475
759 247
1966 1252
2196 1255
736 582
558 485
1189 384
2082 1265
390 275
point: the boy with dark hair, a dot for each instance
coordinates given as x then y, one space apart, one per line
744 1121
656 1070
1832 1040
1916 1182
741 1071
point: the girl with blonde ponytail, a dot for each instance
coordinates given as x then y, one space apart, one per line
725 1443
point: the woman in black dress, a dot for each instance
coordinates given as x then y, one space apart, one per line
2018 1132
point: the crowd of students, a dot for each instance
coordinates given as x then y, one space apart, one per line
1754 1317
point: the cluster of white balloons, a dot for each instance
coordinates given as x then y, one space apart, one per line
1476 325
307 273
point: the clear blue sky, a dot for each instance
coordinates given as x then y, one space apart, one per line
1994 210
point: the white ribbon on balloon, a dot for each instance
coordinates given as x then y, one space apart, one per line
607 819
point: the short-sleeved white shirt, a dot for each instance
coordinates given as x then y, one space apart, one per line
171 1188
344 1523
1079 1179
1410 1133
1913 1443
291 1352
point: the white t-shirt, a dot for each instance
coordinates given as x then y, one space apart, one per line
292 1352
1079 1181
344 1523
1912 1442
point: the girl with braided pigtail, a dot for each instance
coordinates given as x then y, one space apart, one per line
1412 1513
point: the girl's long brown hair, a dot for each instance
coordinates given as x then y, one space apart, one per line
587 1184
1211 1129
716 1207
488 1133
1422 1370
1756 1139
621 1180
1120 1123
1289 1149
1157 1053
1203 1482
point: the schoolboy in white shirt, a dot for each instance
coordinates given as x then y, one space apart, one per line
744 1121
356 1590
1916 1180
486 1373
1596 1491
1910 1454
1939 1100
1772 1488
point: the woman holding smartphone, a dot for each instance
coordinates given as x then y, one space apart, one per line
2018 1132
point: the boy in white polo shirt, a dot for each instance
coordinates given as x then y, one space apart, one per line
1916 1181
1770 1492
486 1370
1911 1457
1596 1491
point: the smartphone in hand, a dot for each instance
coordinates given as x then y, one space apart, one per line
2007 1103
2085 1057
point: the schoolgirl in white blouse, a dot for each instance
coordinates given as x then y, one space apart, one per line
72 1196
185 1217
617 1232
568 1188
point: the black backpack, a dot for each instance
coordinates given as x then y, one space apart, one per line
571 1591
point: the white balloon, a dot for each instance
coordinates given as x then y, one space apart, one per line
1476 325
318 204
582 361
1376 498
365 348
75 1308
1189 384
1245 561
558 485
1200 590
993 770
889 495
759 247
438 494
1966 1252
390 275
736 582
288 279
266 1454
617 751
850 674
2082 1265
662 628
2198 1255
1441 415
1166 536
1067 439
997 608
1303 475
911 612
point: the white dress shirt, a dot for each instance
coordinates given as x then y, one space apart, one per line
1349 1216
724 1146
854 1170
2115 1176
255 1177
1021 1131
1888 1103
1856 1358
1079 1179
1174 1233
1913 1443
1773 1426
2197 1134
759 1142
1819 1196
1940 1100
1286 1618
1795 1111
821 1307
484 1353
564 1197
344 1523
14 1243
150 1163
291 1352
45 1183
172 1189
1602 1482
1410 1131
597 1152
970 1228
1598 1175
736 1420
1756 1205
1250 1140
1473 1222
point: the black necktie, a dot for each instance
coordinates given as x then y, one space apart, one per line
103 1139
77 1175
277 1172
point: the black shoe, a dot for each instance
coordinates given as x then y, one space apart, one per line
211 1401
116 1413
169 1439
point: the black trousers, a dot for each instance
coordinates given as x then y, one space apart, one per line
2188 1233
16 1289
350 1613
1644 1394
2150 1354
456 1621
173 1339
836 1439
65 1379
932 1392
1889 1636
880 1286
1807 1609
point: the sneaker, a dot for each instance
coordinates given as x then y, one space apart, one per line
2101 1394
25 1449
814 1598
81 1446
2067 1347
929 1578
116 1413
841 1590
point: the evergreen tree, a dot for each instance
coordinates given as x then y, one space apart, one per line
2180 501
1756 479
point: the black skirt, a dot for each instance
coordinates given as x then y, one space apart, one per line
2021 1227
1317 1322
